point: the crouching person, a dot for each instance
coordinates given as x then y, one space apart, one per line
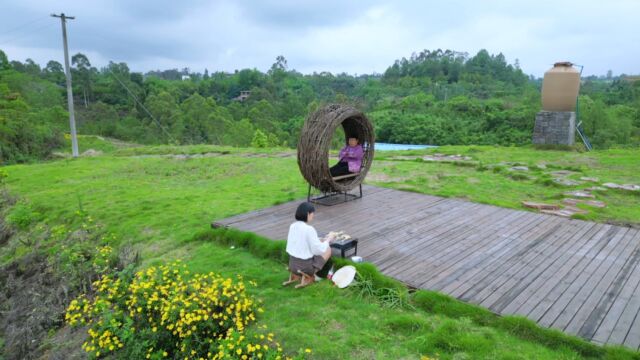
308 255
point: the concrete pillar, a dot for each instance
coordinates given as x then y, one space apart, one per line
555 127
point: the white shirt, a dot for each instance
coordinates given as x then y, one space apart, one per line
303 241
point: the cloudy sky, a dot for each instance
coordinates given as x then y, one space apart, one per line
356 37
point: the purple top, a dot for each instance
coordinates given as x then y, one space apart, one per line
352 155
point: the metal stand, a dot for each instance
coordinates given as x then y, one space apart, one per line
333 197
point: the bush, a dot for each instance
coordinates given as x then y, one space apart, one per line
438 303
166 312
22 215
459 336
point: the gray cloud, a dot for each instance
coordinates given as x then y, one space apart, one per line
337 36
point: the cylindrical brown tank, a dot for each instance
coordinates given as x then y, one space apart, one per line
560 87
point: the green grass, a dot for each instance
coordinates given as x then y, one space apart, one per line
478 179
162 205
340 324
391 293
90 142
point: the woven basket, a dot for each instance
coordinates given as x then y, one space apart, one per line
315 140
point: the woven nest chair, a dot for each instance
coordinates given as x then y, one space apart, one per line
314 144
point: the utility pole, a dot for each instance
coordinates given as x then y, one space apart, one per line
72 119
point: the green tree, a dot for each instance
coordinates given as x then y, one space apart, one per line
259 140
54 72
4 61
239 133
262 115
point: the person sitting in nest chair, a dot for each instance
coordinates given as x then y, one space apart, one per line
350 159
308 255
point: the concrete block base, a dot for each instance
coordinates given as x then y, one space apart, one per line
555 127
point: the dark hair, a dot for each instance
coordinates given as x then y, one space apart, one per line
303 211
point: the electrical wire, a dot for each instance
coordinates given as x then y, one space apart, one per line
27 34
24 25
143 107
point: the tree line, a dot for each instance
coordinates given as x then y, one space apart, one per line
433 97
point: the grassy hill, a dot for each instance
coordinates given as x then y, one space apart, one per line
157 201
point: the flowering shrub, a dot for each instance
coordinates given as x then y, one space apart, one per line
165 312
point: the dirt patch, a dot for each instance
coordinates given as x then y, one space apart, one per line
32 301
384 178
91 153
473 180
624 223
378 177
118 143
65 344
5 232
285 154
433 157
147 231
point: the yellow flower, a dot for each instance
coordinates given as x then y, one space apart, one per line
308 351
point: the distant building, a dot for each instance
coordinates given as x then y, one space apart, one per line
186 77
244 95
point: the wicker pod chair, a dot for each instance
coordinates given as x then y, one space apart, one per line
315 140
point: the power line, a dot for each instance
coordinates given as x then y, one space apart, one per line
27 34
135 98
24 25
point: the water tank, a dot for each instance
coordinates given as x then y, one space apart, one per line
560 87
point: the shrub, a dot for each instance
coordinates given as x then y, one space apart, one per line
460 336
22 215
406 323
166 312
438 303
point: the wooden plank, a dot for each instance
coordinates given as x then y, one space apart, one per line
493 279
570 272
588 298
623 266
632 339
421 241
528 267
585 283
365 230
518 244
405 245
426 222
558 310
395 232
256 213
626 319
528 294
610 324
440 258
390 218
476 252
482 234
290 207
482 264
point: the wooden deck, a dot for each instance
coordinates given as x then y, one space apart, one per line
576 276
